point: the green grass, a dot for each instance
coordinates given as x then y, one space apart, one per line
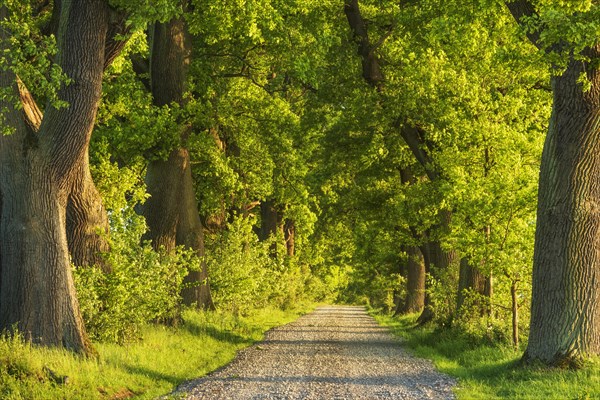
488 372
143 370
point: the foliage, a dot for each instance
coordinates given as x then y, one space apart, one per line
143 285
244 273
27 54
276 108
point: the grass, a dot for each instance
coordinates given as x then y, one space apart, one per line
485 371
143 370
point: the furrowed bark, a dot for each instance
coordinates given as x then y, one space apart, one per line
36 172
565 305
87 222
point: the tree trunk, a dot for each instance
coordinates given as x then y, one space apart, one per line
270 223
370 63
172 211
470 278
515 314
565 304
36 173
415 281
172 216
190 233
437 260
37 290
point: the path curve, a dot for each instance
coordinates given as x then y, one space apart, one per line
335 352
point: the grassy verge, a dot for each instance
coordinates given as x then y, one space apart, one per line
492 372
143 370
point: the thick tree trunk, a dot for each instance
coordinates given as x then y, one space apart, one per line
271 223
415 282
36 173
437 260
190 233
565 305
37 290
172 216
270 220
172 211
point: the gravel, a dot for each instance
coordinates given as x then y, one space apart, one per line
335 352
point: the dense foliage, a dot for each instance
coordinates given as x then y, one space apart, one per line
314 180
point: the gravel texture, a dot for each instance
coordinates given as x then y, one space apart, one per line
331 353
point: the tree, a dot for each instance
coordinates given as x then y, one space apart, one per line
38 168
565 305
172 210
439 258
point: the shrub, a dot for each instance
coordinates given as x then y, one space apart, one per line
244 272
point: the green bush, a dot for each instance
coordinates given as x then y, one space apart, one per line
143 286
245 273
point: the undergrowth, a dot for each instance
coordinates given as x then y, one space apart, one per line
145 369
492 371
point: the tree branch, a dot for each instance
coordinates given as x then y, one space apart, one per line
413 137
382 39
370 63
32 113
116 36
520 9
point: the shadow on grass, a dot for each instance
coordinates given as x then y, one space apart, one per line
220 334
153 374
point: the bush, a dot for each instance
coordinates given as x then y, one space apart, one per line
143 286
245 274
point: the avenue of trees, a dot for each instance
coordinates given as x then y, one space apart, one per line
432 157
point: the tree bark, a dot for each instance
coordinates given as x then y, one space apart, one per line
37 171
514 313
470 278
565 301
269 220
270 223
415 281
172 216
370 63
172 211
565 304
437 260
87 221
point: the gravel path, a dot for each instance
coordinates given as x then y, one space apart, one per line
331 353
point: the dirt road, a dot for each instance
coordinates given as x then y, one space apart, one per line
332 353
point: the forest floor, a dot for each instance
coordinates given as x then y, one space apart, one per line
335 352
